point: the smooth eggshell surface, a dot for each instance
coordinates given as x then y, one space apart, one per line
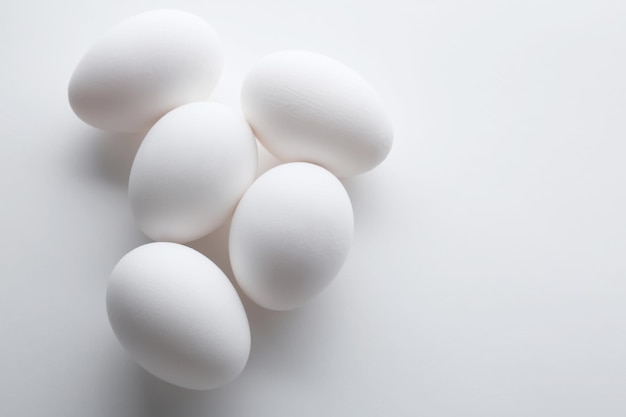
178 316
190 171
290 235
144 67
308 107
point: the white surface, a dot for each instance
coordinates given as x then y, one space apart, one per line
487 276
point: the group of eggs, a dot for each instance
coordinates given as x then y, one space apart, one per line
173 309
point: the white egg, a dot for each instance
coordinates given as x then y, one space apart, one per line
190 171
143 68
290 235
178 316
308 107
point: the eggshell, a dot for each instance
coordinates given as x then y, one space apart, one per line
144 67
290 235
190 171
178 316
308 107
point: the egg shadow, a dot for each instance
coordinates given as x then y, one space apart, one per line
275 353
161 399
368 194
215 247
109 156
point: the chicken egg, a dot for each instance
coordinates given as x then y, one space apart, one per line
144 67
190 171
308 107
290 235
178 316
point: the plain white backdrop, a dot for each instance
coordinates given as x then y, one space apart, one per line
488 272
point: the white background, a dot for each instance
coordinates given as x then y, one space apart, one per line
488 272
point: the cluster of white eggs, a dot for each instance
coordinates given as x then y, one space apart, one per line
172 308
